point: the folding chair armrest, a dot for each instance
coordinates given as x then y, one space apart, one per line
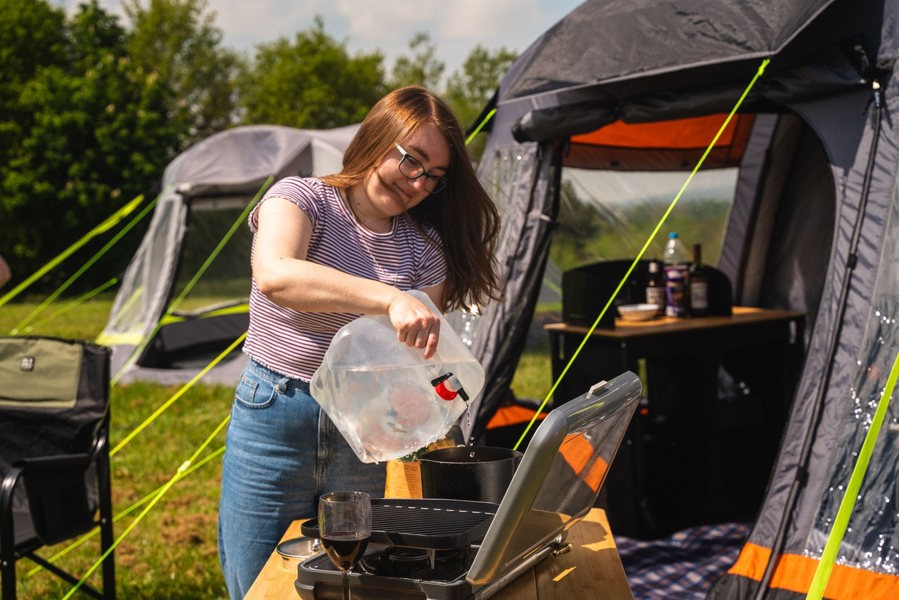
57 462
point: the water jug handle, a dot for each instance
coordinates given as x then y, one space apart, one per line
597 387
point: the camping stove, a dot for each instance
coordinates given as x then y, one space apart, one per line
439 549
420 548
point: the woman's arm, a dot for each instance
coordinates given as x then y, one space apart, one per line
283 274
5 272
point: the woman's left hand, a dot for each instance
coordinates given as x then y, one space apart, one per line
415 323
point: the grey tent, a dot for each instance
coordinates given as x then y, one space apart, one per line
813 226
183 298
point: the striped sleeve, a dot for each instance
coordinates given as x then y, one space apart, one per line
302 191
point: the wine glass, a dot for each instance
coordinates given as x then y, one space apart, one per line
344 523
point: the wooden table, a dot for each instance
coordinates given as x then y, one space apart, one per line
591 570
685 459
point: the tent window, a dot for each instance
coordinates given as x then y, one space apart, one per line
228 277
605 215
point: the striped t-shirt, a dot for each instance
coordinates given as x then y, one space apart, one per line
294 342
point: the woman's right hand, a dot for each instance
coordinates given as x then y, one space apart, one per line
415 323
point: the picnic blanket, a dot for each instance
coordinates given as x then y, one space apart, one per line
683 566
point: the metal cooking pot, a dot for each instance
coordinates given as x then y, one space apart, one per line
468 472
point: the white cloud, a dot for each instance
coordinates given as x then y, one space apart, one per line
454 26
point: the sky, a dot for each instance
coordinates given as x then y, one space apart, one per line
454 26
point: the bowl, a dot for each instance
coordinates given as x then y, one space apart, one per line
296 550
638 312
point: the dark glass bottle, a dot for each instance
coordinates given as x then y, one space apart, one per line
655 287
699 284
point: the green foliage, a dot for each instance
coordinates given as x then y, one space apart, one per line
312 83
34 37
92 110
177 43
422 68
469 90
96 136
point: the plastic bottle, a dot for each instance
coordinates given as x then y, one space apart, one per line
655 287
677 262
699 284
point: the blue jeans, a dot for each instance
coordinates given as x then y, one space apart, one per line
282 452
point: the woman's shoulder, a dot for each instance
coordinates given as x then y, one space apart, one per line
306 192
295 185
309 194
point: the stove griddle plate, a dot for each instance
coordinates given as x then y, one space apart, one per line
430 523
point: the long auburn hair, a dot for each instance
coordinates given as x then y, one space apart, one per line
463 213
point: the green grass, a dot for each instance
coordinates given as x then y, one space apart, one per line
172 552
533 376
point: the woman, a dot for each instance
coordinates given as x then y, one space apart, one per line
407 212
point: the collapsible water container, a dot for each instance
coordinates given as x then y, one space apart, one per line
385 398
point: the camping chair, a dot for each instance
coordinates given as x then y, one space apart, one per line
54 453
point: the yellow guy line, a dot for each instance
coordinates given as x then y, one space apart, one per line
179 474
80 300
480 126
101 228
177 395
652 236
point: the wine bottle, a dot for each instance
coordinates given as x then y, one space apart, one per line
699 284
655 287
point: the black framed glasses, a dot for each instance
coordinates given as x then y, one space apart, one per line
413 169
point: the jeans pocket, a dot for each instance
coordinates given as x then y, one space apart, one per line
254 393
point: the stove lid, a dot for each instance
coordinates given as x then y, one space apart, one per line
559 477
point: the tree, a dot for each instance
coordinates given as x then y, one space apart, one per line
177 41
468 91
311 83
34 36
97 135
422 68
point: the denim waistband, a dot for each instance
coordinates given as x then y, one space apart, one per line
278 379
